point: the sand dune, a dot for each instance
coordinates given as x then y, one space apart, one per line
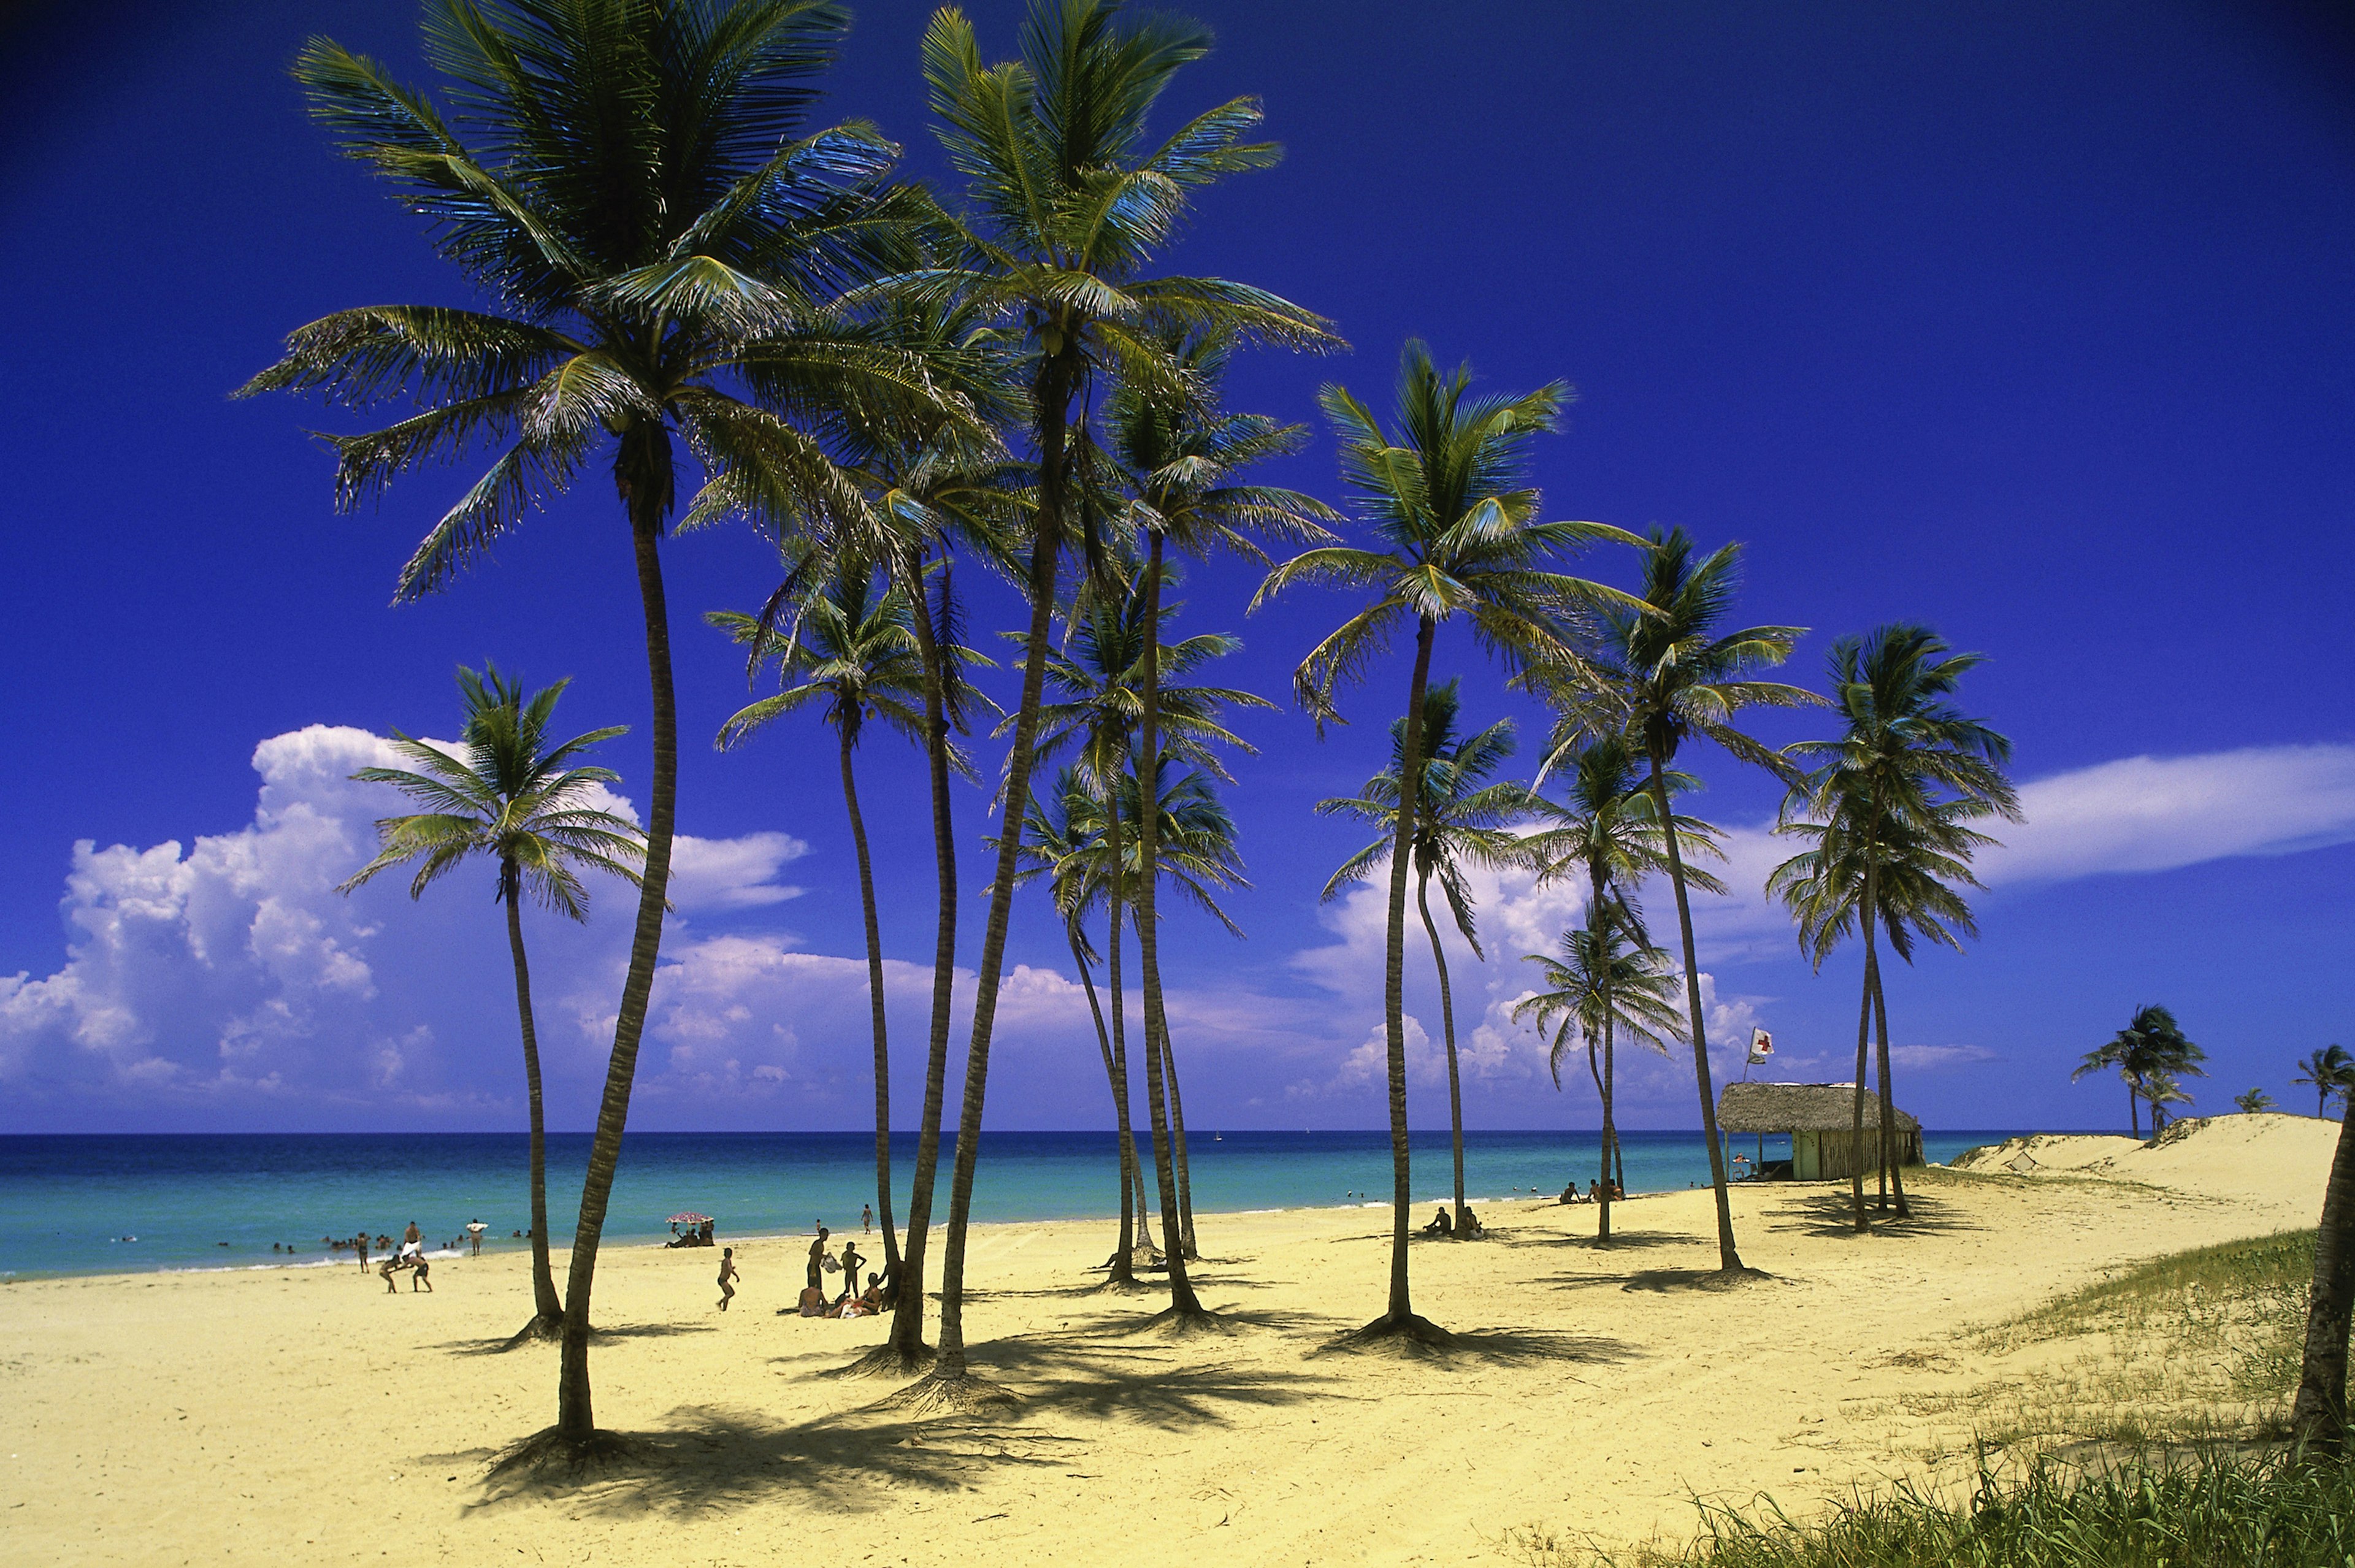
301 1415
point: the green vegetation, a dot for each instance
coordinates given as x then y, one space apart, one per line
2218 1512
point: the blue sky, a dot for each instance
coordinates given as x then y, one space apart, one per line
2033 322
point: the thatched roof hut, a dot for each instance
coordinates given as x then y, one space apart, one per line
1820 1119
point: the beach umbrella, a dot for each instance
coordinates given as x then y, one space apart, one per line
688 1219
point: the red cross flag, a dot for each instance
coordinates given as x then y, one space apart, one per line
1762 1046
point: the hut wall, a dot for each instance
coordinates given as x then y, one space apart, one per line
1831 1157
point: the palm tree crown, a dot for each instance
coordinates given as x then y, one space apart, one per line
507 795
1603 972
2152 1045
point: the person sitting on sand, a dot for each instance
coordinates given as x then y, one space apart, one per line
813 1302
1440 1225
873 1299
727 1274
1471 1230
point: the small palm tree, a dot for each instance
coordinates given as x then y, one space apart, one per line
2254 1101
854 650
1456 534
1607 832
2162 1090
1069 206
2151 1045
665 255
1460 823
1609 984
2327 1072
511 797
1899 784
1661 673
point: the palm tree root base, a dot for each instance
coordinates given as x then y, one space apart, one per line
887 1361
1733 1279
1116 1285
1184 1322
545 1329
553 1456
951 1393
1409 1335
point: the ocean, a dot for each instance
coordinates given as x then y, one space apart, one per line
108 1204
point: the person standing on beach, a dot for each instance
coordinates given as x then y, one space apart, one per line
728 1275
850 1261
867 1219
360 1241
817 1258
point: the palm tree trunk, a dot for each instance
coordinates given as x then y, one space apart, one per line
1053 403
905 1350
1122 1272
1132 1170
1729 1259
1177 1144
1890 1153
1160 1085
875 1002
643 473
547 1307
2318 1414
1448 1028
2133 1107
1863 1046
1598 918
1400 1314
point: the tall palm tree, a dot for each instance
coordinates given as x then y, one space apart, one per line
1607 831
627 183
2327 1072
1095 711
1455 533
1609 983
852 649
1459 823
1909 767
1065 840
1181 455
1068 207
2150 1045
512 797
1659 674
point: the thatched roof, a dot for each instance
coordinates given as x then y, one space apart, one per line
1798 1108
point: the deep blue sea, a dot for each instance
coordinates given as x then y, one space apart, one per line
104 1204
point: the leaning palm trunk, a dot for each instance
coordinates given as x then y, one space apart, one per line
905 1350
949 1380
875 1002
1122 1271
2318 1414
1597 917
547 1307
1863 1046
1447 1027
1177 1234
1729 1259
1177 1143
1891 1151
644 471
1134 1163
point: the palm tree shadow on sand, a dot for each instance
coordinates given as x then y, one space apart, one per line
1832 1214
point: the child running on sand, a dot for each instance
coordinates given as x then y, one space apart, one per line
727 1274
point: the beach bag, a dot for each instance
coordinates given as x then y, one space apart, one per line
830 1265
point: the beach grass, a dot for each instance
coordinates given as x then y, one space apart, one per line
2218 1511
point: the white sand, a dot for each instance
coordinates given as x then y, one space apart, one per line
301 1415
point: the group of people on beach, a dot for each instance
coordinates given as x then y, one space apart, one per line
880 1295
1594 1193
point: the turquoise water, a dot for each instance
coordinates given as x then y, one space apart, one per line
108 1204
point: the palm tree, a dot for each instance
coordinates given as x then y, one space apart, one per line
667 257
1095 711
2319 1412
2254 1101
1180 455
510 796
1455 533
2152 1044
1070 205
1608 832
1064 839
2327 1072
1459 823
1609 982
1907 772
2162 1092
853 649
1661 673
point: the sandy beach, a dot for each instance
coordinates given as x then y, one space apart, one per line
302 1415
